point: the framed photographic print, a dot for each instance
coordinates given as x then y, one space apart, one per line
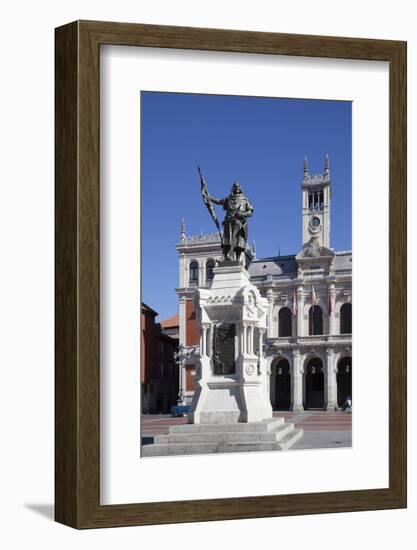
230 274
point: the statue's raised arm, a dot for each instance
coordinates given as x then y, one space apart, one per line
217 201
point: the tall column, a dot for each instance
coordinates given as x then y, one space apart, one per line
207 338
270 297
300 311
261 341
203 340
331 381
182 275
181 383
210 340
251 331
332 323
182 342
182 321
296 382
244 338
202 274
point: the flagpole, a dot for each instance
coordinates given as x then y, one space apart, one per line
312 313
312 306
208 203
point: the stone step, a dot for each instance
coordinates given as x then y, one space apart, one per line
288 441
264 426
178 449
223 437
240 447
248 447
164 449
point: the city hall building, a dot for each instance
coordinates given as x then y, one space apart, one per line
308 343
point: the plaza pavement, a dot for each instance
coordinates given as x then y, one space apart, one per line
322 429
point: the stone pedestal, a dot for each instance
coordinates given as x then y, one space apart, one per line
231 369
231 409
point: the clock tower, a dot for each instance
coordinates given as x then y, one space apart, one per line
316 195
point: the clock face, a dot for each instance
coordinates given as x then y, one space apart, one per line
315 221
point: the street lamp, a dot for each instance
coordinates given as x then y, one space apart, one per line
179 357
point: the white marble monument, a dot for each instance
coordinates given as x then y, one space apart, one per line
231 377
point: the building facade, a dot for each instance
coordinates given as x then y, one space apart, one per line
308 343
159 370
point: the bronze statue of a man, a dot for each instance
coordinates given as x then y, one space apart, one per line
235 225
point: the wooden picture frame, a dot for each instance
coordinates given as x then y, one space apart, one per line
77 406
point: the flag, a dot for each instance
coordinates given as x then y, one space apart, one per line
294 305
330 301
208 203
314 300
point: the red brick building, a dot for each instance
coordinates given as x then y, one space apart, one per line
192 338
171 326
159 371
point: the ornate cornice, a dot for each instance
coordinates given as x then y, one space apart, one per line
203 237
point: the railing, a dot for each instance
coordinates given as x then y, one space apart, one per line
318 339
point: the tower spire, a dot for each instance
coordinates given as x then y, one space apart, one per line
254 250
327 165
305 167
182 234
316 196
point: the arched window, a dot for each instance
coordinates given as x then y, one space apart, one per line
346 319
193 273
284 322
315 320
209 270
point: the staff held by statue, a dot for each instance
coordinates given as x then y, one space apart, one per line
208 203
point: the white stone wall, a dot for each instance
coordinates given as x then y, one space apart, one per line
300 326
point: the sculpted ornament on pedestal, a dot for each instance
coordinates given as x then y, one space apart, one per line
250 306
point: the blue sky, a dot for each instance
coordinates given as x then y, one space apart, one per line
261 142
